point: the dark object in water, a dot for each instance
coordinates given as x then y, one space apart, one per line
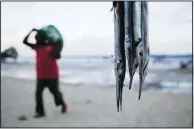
9 53
185 65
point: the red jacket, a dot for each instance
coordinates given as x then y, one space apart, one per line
46 64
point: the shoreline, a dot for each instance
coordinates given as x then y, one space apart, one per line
154 86
94 107
98 86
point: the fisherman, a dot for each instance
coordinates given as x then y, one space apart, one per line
47 72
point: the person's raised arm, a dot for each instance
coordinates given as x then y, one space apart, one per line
25 41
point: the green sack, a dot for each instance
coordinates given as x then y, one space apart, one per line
52 35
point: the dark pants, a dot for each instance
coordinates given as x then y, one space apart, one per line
53 85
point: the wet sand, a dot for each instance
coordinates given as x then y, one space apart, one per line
93 107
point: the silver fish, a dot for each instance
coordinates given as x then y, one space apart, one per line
131 38
132 35
120 61
137 30
129 45
144 48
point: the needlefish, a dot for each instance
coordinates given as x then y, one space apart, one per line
131 43
120 60
132 36
145 49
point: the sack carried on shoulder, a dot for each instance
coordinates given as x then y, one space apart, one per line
52 35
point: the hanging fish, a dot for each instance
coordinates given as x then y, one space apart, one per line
120 61
132 36
137 28
144 47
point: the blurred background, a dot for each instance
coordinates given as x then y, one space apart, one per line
88 53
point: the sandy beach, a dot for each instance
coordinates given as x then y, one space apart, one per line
93 107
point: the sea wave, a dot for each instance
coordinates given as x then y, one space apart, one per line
99 71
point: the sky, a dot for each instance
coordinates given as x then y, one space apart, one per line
87 27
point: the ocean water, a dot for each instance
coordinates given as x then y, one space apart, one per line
164 74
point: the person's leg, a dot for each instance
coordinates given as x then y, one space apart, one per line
53 85
39 100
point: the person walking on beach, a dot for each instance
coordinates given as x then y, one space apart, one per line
47 72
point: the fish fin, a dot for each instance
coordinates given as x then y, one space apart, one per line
135 66
114 6
111 9
138 42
